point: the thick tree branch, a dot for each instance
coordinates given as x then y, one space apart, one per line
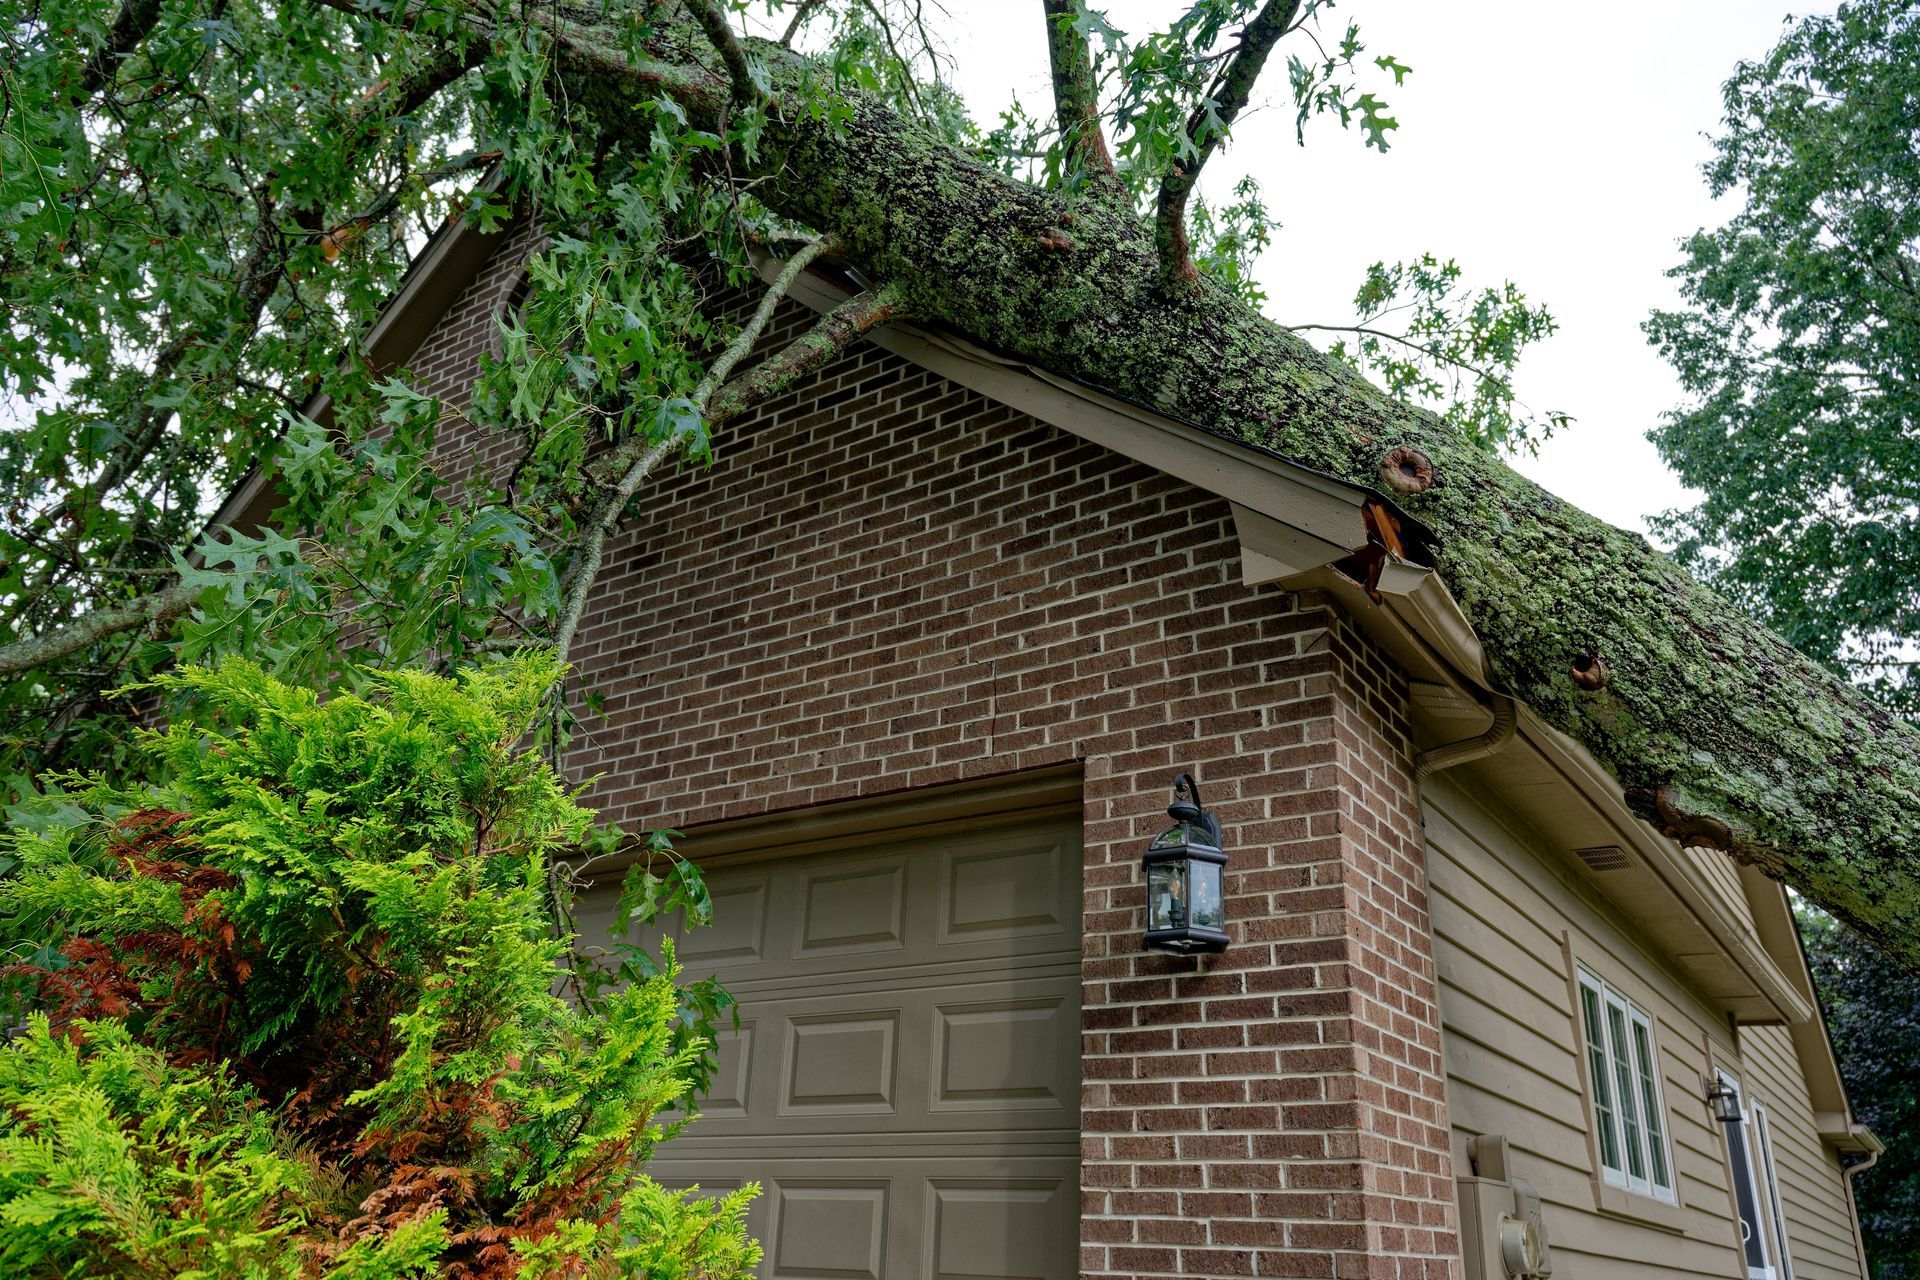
1076 98
1229 95
91 628
801 13
1708 721
832 334
743 343
603 75
719 32
258 276
213 352
717 400
383 206
130 26
261 272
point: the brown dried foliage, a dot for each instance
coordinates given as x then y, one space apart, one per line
179 990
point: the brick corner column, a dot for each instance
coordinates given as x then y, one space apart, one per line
1278 1110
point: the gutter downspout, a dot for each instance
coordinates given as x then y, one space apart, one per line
1506 715
1847 1171
1871 1142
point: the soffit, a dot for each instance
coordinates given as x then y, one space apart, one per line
1557 786
1289 518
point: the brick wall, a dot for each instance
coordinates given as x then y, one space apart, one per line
445 363
886 581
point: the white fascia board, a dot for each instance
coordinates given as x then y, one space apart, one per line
1415 604
1665 857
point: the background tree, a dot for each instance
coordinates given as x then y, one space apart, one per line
1799 347
202 202
1873 1013
292 1011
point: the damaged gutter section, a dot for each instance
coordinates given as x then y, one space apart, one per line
1436 642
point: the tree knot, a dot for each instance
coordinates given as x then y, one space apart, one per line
1590 672
1691 830
1406 470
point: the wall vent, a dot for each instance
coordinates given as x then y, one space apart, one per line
1606 857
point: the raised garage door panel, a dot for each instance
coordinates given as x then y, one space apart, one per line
905 1081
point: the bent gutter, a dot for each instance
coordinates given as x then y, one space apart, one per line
1868 1142
1413 601
1299 528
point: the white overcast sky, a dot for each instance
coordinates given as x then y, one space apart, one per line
1552 143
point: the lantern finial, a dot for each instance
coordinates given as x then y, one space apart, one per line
1186 806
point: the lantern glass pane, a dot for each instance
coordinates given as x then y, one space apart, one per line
1207 909
1167 895
1173 836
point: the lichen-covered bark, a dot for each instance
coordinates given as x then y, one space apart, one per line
1720 732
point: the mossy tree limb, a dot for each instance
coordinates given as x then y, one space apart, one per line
1718 730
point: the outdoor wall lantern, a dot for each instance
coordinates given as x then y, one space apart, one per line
1186 910
1725 1100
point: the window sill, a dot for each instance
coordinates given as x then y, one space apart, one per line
1616 1202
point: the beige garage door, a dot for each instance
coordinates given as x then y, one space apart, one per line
905 1081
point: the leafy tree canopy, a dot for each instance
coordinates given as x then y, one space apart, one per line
254 217
1799 344
202 205
285 970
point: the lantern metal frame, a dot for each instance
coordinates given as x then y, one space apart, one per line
1725 1101
1184 869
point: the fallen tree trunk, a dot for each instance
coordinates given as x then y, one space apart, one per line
1721 733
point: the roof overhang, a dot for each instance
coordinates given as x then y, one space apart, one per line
1756 976
1289 518
1300 528
1567 795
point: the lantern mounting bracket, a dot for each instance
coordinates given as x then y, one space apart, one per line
1186 794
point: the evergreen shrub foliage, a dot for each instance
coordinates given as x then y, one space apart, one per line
297 1010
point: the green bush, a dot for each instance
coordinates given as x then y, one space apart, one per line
297 1011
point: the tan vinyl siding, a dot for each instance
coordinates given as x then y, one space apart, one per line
1820 1234
1724 876
1501 907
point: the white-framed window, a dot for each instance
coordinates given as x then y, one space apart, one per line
1623 1072
1756 1190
